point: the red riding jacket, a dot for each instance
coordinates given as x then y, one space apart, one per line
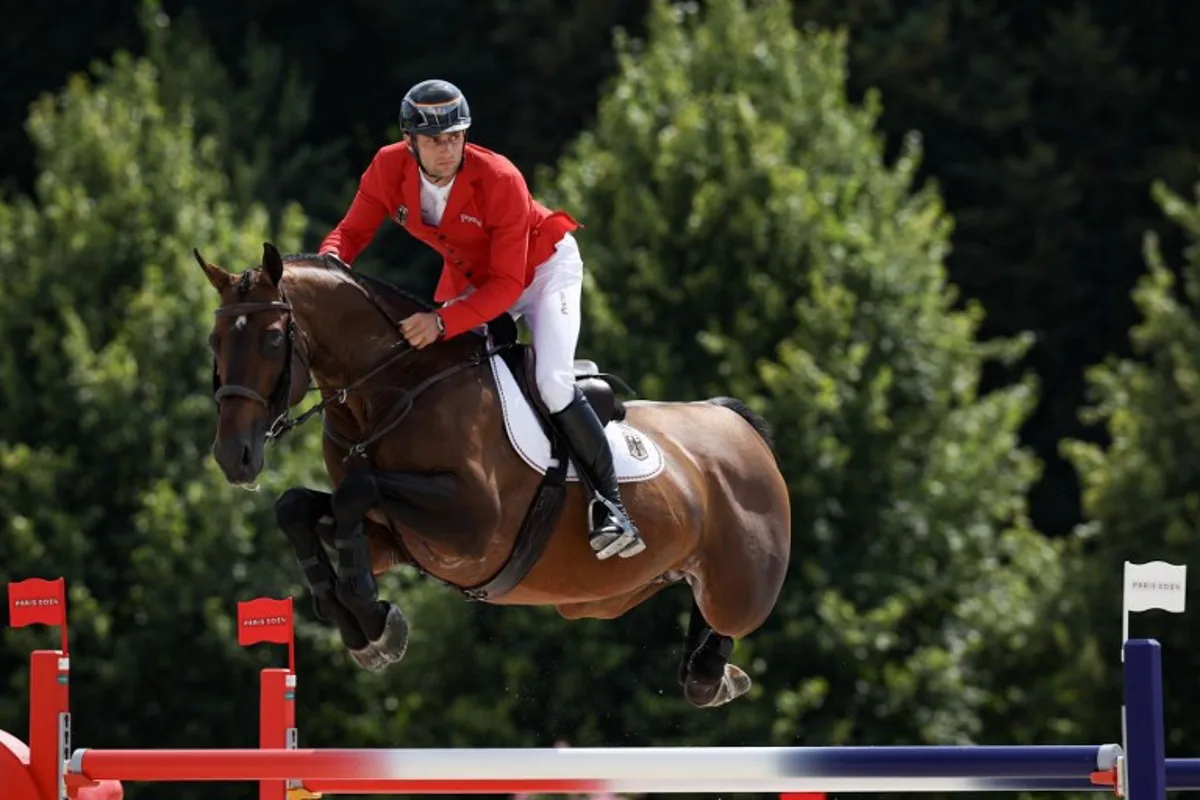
492 234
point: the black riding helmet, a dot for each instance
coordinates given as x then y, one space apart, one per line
432 107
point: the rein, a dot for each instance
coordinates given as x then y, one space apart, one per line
278 406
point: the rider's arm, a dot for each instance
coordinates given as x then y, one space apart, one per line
508 205
366 213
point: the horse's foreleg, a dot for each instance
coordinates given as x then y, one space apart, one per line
306 517
383 623
436 505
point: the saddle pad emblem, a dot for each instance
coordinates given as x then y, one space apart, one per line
636 449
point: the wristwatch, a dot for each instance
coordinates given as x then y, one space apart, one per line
441 323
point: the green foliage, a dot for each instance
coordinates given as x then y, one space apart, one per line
1140 491
258 110
104 382
1046 124
745 236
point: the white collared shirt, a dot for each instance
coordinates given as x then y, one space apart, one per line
433 199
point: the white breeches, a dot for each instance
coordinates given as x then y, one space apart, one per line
551 307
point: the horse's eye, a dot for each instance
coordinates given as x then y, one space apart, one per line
272 341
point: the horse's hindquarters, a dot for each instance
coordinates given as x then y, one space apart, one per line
741 557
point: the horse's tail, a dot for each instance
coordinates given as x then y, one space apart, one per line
757 421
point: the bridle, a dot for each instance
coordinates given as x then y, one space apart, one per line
277 405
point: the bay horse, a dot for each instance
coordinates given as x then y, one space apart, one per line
442 459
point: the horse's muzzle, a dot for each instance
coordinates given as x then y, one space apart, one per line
239 457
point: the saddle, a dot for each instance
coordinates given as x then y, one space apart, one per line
597 386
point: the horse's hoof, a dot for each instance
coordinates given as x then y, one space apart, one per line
393 644
734 683
389 647
368 658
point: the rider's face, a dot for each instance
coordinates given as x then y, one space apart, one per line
441 154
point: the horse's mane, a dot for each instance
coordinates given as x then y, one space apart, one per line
379 286
503 329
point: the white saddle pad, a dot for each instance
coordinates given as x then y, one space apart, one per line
635 455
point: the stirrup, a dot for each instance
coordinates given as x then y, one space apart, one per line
625 544
625 541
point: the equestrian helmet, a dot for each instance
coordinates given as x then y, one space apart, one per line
432 107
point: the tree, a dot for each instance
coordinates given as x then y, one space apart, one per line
257 108
745 236
104 383
1045 125
1140 491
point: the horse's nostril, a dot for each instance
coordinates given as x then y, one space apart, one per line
246 455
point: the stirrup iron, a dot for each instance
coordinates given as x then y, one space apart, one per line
625 542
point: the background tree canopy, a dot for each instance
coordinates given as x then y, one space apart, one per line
948 251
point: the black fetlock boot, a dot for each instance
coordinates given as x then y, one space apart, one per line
356 586
612 530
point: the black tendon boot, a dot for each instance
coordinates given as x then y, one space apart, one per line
612 529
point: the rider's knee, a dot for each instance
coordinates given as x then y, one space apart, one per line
556 386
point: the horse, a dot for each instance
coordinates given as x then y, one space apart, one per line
442 460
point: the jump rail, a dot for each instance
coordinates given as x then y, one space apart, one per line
48 769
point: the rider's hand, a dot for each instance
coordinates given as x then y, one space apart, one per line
423 329
333 254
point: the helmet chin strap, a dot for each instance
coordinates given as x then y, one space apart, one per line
412 146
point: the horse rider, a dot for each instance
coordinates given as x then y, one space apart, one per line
502 251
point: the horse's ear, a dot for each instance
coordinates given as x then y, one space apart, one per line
219 278
272 262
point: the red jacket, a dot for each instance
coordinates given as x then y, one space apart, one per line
493 232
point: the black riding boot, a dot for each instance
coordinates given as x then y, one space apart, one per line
614 532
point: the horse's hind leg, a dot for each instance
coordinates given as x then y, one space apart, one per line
306 517
383 623
741 567
707 677
735 589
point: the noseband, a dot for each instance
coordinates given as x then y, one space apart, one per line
277 405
